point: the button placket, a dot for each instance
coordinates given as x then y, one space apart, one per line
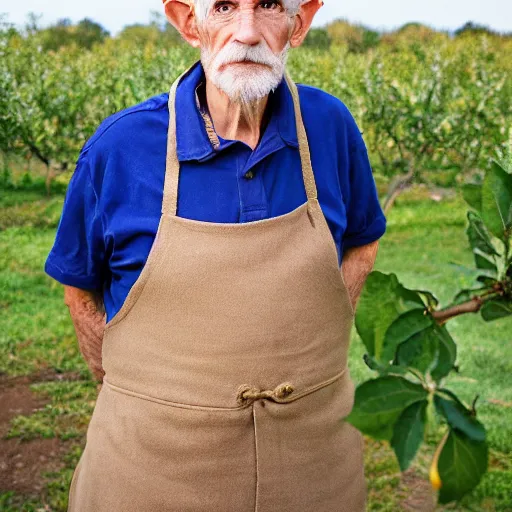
253 201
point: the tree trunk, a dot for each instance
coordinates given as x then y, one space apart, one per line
398 186
50 174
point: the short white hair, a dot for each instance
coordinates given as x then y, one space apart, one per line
202 7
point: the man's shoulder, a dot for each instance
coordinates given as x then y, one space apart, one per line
116 127
317 100
328 112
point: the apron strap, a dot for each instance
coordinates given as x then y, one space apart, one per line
172 165
305 156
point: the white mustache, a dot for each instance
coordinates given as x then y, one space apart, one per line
238 52
242 85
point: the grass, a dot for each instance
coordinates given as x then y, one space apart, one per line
424 243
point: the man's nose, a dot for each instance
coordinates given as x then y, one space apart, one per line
248 31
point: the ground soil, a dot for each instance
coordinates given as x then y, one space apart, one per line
418 494
23 462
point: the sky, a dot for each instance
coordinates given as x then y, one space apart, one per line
377 14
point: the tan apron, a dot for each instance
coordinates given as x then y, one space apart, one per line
226 378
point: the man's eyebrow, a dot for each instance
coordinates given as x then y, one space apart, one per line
224 2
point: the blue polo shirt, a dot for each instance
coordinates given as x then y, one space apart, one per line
113 202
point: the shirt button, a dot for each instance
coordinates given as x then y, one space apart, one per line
249 175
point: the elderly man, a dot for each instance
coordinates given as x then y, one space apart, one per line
208 225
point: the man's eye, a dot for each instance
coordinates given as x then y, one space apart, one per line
223 8
269 5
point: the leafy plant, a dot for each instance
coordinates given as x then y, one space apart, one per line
412 351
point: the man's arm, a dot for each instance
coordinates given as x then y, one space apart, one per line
88 315
357 263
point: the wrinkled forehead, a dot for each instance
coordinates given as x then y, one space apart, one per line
202 7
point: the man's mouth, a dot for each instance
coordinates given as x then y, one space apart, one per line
242 62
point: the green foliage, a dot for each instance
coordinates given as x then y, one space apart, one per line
470 28
413 37
394 406
140 35
393 300
408 433
55 100
497 202
84 34
462 463
380 402
458 416
318 38
438 109
410 347
406 326
429 107
357 38
490 237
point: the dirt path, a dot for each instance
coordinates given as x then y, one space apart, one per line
23 462
419 496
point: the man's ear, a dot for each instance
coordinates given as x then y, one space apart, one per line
181 16
303 20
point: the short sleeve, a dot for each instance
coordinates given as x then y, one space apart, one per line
366 221
77 256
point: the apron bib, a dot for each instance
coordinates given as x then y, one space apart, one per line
226 382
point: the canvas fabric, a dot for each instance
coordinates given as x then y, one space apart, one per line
226 383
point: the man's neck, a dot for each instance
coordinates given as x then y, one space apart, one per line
236 121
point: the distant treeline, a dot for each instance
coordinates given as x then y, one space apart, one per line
434 107
356 37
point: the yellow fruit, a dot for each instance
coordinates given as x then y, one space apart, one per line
435 479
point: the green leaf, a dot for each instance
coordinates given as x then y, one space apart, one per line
389 369
431 300
431 351
134 90
489 282
403 328
458 416
497 201
472 194
462 269
496 309
371 363
462 463
467 295
447 353
408 433
379 403
382 300
483 263
420 351
478 235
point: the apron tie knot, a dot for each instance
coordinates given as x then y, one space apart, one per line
247 393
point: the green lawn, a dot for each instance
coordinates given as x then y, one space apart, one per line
423 240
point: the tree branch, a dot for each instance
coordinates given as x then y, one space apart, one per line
472 306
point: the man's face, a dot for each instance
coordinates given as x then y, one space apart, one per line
244 44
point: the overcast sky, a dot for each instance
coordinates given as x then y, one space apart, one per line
380 14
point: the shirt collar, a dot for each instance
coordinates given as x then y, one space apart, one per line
196 138
202 106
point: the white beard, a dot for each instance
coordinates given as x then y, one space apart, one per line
245 83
